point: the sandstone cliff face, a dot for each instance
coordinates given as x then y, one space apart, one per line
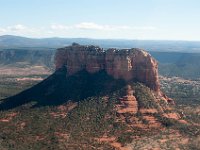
127 64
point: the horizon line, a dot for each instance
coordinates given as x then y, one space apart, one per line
92 38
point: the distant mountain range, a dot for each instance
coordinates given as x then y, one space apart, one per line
176 58
10 41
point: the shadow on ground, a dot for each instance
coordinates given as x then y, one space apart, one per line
58 89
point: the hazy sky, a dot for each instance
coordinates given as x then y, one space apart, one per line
123 19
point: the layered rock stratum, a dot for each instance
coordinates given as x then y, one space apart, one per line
127 64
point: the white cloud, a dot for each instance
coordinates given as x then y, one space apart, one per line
22 30
89 26
144 28
17 27
59 27
94 26
2 30
83 29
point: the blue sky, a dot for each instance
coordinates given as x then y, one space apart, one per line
113 19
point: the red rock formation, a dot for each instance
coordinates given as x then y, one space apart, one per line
128 104
127 64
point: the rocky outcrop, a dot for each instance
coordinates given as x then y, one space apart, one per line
128 64
128 103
